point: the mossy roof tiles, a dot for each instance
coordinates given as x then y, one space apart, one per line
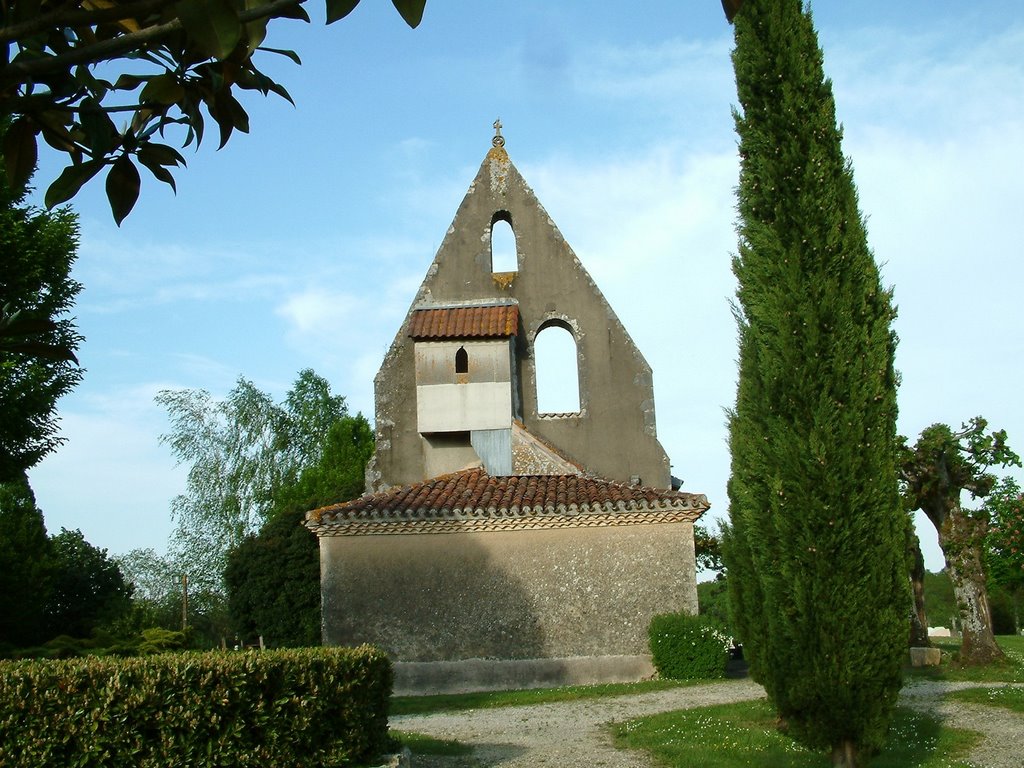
465 322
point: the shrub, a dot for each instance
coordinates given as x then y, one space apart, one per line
685 647
713 598
298 708
65 647
159 640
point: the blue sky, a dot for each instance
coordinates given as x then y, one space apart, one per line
301 244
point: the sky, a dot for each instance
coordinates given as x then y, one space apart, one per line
302 243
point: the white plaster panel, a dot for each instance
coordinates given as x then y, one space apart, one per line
463 407
488 361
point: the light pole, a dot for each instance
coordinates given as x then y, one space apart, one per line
184 602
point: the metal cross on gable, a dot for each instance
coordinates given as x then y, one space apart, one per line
498 140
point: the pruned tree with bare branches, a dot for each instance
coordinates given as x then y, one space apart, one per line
935 472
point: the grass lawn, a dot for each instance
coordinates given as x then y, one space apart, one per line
745 734
1006 697
1010 672
421 744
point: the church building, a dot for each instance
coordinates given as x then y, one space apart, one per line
499 545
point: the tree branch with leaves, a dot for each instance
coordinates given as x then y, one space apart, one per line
61 82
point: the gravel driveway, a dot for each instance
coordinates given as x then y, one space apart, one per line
572 734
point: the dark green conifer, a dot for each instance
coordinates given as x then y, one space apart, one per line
26 567
815 547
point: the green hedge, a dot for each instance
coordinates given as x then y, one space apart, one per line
685 647
309 707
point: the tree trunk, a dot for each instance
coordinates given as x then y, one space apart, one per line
918 619
961 538
845 755
1016 612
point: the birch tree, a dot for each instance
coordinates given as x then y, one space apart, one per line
243 453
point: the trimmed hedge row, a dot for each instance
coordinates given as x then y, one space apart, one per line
685 647
308 707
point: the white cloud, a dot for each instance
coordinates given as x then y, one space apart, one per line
663 74
939 177
215 374
936 83
319 312
112 479
344 335
122 274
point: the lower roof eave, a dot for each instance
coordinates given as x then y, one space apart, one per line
498 522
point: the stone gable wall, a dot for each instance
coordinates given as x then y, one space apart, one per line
614 435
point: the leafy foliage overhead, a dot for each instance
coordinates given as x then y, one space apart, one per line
708 549
273 578
1004 551
104 80
273 584
158 590
20 332
1005 545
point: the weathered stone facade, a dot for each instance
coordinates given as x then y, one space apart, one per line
516 594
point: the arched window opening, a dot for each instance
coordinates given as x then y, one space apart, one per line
462 361
503 245
555 363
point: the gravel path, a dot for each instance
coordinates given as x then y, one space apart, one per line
573 734
1002 743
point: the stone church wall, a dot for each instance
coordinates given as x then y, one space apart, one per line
506 594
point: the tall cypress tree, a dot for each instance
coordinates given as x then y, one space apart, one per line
815 546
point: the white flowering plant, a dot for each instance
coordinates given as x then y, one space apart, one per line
685 647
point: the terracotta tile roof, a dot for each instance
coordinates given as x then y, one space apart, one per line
473 500
465 322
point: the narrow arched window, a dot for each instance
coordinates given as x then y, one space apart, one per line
503 245
557 371
462 361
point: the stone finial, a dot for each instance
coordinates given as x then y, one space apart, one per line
498 140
